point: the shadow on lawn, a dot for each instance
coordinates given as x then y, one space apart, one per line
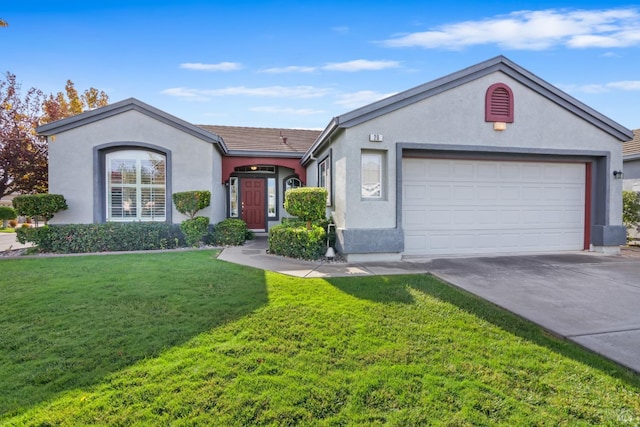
69 322
380 289
395 289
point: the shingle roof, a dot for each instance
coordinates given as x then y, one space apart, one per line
632 147
251 139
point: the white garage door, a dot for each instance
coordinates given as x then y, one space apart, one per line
479 206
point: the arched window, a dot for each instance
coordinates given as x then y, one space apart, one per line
136 185
499 104
289 183
292 182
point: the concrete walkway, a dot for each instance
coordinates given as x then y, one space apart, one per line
587 298
8 242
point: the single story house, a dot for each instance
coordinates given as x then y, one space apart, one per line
489 159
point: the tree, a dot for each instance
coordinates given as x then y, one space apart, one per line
23 154
70 103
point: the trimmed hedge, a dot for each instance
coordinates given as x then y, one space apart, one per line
190 202
108 237
297 241
195 229
306 203
229 232
7 213
39 205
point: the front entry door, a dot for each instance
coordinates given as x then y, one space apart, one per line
253 209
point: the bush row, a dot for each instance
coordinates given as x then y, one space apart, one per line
132 236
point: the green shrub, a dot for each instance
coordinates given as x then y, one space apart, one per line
297 241
43 206
324 223
190 202
111 236
306 203
230 232
630 209
7 213
195 229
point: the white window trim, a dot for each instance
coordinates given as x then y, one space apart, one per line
372 190
138 155
324 176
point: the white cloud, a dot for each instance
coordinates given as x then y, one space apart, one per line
348 66
625 85
186 93
534 30
268 91
361 65
360 99
629 85
286 110
341 29
222 66
290 69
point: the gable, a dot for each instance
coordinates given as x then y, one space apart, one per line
122 107
498 65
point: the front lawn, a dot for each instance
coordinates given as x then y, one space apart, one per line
181 338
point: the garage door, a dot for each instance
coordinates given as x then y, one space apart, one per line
479 206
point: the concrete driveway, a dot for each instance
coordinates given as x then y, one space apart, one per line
591 299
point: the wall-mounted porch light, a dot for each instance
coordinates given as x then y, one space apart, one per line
254 168
618 174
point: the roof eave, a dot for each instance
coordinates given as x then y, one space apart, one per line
333 125
256 153
130 104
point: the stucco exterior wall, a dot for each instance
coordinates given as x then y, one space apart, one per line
632 169
456 118
195 164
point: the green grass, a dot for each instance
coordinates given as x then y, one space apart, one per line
181 338
7 230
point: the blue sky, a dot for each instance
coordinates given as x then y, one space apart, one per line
297 64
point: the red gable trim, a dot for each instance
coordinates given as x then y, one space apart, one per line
229 165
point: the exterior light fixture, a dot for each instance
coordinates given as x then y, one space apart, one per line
254 168
618 174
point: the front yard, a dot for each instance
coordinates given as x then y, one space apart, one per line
184 339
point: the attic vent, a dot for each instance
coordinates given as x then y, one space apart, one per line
499 104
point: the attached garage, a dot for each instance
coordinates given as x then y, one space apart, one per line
453 206
488 160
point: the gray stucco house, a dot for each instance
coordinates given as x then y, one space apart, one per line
490 159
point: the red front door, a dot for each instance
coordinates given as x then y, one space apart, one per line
253 210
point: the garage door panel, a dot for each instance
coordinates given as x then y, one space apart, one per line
492 206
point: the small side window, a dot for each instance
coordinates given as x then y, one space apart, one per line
371 173
324 177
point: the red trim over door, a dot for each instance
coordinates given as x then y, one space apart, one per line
229 164
587 206
252 201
